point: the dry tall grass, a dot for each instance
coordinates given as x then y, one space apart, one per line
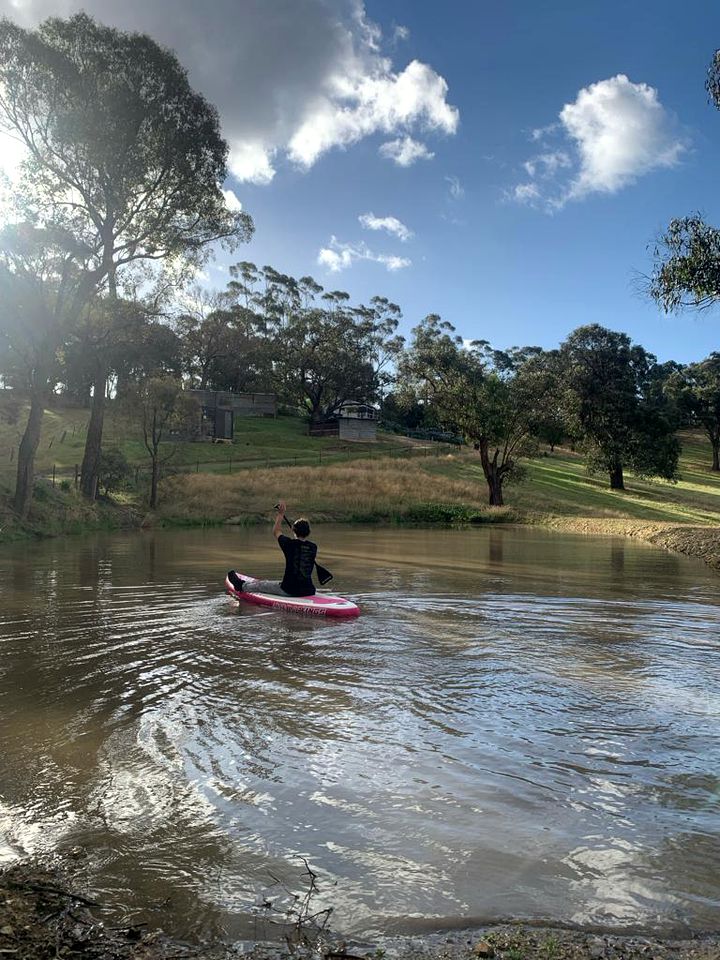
363 489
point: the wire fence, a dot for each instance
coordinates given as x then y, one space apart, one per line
69 475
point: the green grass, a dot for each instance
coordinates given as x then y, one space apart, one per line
447 488
559 484
258 442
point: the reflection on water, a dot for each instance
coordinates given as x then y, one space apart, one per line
520 723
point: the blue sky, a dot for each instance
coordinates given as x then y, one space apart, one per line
500 270
563 135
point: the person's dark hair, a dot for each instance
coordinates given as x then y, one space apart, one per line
301 528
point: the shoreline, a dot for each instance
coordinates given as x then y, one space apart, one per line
691 540
43 914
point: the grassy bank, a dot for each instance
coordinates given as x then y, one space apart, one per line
390 480
557 493
557 488
59 512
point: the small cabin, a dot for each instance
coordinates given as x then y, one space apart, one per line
353 421
221 407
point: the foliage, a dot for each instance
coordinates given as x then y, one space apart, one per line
122 154
114 471
41 289
612 405
111 117
494 406
697 389
686 270
159 406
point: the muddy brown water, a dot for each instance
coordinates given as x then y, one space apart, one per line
521 723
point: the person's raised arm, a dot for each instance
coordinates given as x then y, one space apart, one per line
277 528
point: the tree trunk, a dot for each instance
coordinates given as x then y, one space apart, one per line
154 482
716 454
93 443
495 489
493 474
617 481
26 456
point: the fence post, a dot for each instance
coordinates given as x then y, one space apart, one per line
197 467
12 454
137 475
229 464
53 474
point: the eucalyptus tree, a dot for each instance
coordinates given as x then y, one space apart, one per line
121 152
41 291
686 268
329 352
496 409
697 389
613 408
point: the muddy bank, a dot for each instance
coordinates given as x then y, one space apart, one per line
693 541
43 916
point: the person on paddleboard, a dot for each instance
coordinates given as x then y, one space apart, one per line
299 555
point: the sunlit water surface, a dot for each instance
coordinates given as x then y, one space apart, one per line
520 724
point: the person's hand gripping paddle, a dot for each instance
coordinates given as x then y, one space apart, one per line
323 575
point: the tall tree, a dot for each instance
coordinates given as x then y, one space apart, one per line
495 409
121 151
697 388
41 292
329 353
613 408
686 268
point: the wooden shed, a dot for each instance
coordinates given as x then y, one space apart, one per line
353 421
220 407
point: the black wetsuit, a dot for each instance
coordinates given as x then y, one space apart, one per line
299 562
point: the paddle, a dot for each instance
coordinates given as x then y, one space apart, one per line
323 575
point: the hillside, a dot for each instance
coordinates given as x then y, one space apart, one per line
393 479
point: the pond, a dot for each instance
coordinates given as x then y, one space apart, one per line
520 724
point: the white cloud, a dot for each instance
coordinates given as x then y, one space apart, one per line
547 164
621 131
380 102
526 193
457 191
231 201
339 256
614 132
400 32
405 151
251 162
391 225
292 78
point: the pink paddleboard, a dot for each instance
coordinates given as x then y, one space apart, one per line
319 605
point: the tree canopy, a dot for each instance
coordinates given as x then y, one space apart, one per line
122 154
686 258
612 408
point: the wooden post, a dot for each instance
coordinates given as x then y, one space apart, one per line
53 474
197 467
229 464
